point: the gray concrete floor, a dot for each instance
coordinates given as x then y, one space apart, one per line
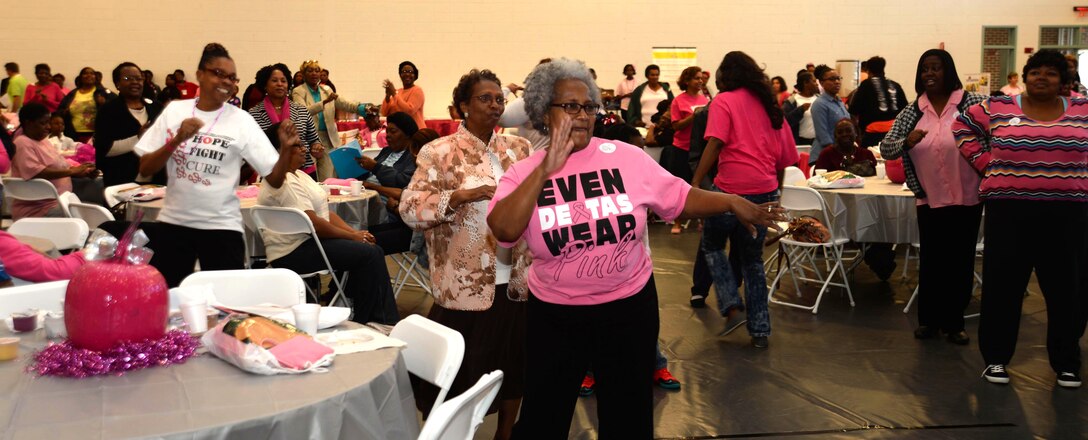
853 373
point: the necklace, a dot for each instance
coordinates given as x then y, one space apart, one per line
210 127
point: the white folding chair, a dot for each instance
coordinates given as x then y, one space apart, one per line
434 352
244 287
65 233
293 221
460 417
804 199
29 190
94 215
67 199
792 175
42 296
409 268
111 193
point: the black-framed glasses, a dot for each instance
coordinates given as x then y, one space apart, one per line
132 78
488 99
833 78
413 72
572 108
223 75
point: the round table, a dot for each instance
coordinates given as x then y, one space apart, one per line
879 212
363 395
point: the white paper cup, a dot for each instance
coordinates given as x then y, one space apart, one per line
356 188
881 171
306 317
820 171
196 316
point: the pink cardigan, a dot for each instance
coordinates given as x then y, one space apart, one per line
22 261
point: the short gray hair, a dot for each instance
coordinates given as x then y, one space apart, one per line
540 87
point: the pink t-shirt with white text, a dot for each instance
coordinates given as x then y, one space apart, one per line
586 236
753 151
684 105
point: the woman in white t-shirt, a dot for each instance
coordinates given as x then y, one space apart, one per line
349 250
644 99
798 109
202 144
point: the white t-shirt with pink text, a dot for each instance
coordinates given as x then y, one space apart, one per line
586 236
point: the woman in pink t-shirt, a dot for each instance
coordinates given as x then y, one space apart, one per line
749 140
37 158
581 208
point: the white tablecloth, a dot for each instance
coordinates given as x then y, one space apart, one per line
881 212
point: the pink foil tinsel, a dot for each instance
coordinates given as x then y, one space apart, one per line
65 360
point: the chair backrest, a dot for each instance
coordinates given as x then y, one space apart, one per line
66 200
460 417
94 215
110 193
434 351
281 220
250 287
42 296
33 189
65 233
793 175
803 198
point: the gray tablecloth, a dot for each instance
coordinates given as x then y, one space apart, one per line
362 396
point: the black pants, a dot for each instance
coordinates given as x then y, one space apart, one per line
946 264
177 248
368 283
1052 239
618 339
394 238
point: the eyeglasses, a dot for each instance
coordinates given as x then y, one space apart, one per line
573 108
402 72
223 75
488 99
833 78
132 78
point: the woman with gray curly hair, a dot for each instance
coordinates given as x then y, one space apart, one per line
580 206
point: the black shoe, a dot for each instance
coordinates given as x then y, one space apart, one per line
996 374
959 338
698 301
735 319
924 332
1069 380
760 342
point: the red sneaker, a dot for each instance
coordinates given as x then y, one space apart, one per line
587 386
664 379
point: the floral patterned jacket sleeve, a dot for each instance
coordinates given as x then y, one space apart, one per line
460 245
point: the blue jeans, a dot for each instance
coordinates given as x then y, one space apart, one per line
722 228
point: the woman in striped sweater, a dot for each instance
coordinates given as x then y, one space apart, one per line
1032 152
275 82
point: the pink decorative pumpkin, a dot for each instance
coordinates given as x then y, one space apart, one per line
109 302
894 169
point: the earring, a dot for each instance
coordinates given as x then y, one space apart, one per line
466 114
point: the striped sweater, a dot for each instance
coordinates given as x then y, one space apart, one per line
304 123
1020 158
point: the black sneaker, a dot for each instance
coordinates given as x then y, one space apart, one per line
698 301
959 338
760 342
1069 380
996 374
925 332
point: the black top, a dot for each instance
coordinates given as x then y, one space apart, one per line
877 99
113 123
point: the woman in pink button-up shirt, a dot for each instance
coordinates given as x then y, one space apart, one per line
946 187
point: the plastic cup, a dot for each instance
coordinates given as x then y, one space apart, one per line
9 348
196 316
54 326
881 171
306 317
820 171
24 322
356 188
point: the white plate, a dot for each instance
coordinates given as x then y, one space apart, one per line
327 317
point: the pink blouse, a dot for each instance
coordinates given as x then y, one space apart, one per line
946 177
